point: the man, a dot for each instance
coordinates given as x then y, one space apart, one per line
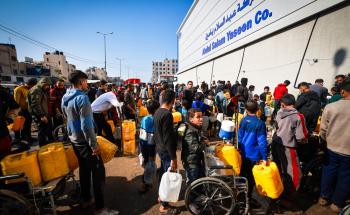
92 92
76 108
165 138
143 93
243 95
335 131
308 104
7 104
38 99
149 91
21 97
102 89
279 91
56 95
164 86
321 91
102 104
188 93
129 109
251 92
339 79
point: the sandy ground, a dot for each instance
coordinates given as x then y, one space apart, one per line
123 178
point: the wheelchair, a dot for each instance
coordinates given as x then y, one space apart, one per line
223 192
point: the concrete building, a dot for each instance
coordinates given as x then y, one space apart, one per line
96 73
8 61
58 64
164 70
265 41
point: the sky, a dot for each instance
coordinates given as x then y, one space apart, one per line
143 31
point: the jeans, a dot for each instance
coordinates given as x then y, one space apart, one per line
101 124
335 183
193 174
90 165
247 172
164 166
45 133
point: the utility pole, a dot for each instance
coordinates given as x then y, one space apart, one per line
120 66
104 40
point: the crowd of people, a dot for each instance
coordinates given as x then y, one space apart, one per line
85 109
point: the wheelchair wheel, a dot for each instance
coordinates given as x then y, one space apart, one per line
12 203
312 173
210 196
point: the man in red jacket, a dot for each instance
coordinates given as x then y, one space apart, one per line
280 91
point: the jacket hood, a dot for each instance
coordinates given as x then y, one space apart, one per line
283 112
44 81
71 94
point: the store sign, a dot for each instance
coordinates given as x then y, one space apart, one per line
237 23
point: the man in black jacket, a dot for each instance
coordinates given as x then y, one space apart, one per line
308 103
165 137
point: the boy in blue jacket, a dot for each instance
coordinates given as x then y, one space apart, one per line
147 146
252 142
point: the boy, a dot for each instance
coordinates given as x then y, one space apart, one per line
252 142
291 129
148 149
192 146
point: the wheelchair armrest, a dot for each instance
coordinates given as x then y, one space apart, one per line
12 176
221 167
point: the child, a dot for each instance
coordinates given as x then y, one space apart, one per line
193 146
252 142
148 149
291 129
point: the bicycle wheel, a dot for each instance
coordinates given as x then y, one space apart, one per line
12 203
60 134
210 196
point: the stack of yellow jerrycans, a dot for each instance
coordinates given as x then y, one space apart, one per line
267 180
47 164
128 137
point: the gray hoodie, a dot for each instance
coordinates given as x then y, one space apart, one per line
290 127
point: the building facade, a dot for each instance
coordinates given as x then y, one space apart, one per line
58 65
96 73
265 41
164 70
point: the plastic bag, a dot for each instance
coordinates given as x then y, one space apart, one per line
170 186
150 172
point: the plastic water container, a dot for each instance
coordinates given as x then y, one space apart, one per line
143 111
177 117
53 161
170 186
215 161
128 130
226 130
111 123
267 111
267 180
18 123
25 162
129 147
107 149
230 156
72 158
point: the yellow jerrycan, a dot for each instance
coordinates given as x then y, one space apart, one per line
107 149
128 130
25 162
72 158
177 117
111 124
267 180
143 111
53 161
230 156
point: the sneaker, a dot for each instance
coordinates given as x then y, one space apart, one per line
335 208
106 211
323 202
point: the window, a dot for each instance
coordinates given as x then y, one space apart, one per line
0 69
13 58
47 59
22 72
59 62
6 78
19 79
15 71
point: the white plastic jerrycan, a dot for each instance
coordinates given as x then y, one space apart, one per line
170 186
